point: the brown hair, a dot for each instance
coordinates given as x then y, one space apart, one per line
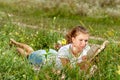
74 32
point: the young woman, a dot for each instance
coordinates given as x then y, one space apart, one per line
72 54
76 50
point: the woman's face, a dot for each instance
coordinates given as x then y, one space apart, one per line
80 41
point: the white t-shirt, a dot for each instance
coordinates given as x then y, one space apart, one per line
65 52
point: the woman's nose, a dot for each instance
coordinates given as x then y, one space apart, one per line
83 42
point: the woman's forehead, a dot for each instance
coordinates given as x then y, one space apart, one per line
82 35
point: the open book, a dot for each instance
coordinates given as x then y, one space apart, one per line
95 50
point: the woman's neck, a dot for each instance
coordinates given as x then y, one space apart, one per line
76 52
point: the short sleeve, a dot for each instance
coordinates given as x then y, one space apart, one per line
63 53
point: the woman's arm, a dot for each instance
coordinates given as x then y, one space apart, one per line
84 65
65 61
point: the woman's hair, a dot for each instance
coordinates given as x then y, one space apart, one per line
74 32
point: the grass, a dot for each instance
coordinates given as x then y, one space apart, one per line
56 22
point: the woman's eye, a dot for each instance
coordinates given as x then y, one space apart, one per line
83 40
86 40
80 40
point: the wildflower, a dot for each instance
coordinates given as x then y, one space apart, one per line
37 32
58 72
14 59
63 77
59 42
24 76
32 35
63 41
110 33
10 33
16 33
118 71
32 44
3 53
54 18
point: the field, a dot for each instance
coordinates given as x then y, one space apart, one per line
41 23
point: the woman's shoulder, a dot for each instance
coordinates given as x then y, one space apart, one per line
65 47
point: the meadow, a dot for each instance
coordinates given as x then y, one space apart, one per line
41 23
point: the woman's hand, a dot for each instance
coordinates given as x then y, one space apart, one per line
84 58
83 65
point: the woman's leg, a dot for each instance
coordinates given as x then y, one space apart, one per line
22 48
22 51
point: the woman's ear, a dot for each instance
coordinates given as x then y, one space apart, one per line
73 38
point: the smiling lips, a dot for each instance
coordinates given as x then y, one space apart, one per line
81 47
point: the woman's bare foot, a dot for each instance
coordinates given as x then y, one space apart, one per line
12 41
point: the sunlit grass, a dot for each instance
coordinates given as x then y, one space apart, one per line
13 67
